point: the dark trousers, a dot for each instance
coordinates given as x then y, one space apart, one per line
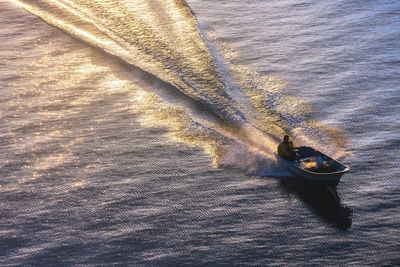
293 156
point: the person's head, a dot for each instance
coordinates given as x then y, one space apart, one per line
286 138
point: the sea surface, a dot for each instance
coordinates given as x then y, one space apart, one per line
143 132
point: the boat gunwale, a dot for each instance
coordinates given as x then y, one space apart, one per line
346 168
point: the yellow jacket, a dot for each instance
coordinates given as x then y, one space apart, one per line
285 149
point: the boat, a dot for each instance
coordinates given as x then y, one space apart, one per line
314 166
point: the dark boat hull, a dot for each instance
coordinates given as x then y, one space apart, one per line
330 178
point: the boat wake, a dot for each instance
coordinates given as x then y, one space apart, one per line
185 80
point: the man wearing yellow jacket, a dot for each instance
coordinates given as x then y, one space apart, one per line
286 149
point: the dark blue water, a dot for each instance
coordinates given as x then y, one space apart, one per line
135 134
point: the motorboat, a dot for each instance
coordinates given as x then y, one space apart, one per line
314 166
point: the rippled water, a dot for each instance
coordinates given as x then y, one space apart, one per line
138 133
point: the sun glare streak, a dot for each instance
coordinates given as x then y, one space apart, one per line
62 24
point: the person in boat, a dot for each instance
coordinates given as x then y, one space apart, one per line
286 149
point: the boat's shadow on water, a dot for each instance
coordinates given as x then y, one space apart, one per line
324 200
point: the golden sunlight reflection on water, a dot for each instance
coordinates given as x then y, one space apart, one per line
164 40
